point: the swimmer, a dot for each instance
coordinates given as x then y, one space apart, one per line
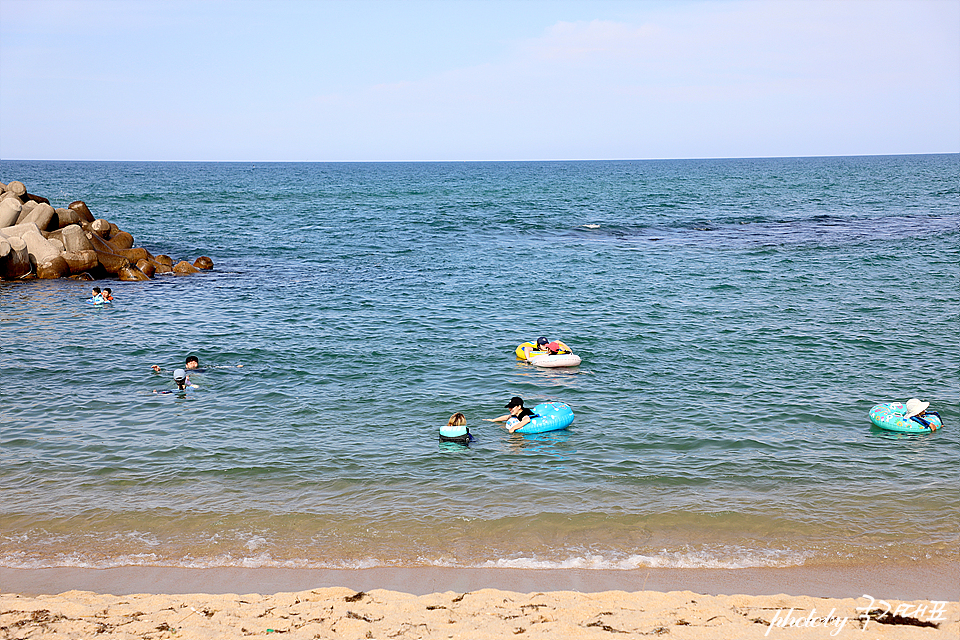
107 295
456 430
517 418
192 363
181 380
96 297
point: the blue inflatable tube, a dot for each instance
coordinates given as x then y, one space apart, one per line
892 417
551 416
449 433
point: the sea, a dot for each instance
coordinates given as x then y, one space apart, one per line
736 319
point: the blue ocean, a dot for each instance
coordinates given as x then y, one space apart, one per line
736 320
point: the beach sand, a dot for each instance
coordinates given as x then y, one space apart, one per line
227 611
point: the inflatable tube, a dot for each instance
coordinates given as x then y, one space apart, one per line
545 358
521 354
891 416
450 433
551 416
557 360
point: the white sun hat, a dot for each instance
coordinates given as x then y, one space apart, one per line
914 406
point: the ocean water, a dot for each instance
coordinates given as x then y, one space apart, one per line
737 319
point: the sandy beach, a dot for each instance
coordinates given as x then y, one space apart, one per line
488 613
37 609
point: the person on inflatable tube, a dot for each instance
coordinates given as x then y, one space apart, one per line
548 347
517 418
917 411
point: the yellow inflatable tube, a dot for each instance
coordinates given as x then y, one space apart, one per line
528 348
528 352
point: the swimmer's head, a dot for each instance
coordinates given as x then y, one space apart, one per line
179 374
541 341
192 362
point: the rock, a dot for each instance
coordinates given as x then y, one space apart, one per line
53 268
121 240
147 267
203 262
108 259
114 230
80 261
75 239
131 273
164 260
83 276
111 262
43 216
163 268
135 254
16 188
18 230
56 242
81 208
10 209
25 211
100 227
5 250
183 268
30 196
40 249
16 263
68 217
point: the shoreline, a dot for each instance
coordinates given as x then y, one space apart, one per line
934 581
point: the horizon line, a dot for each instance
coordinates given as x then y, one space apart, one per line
771 157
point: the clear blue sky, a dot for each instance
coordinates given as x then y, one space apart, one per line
385 80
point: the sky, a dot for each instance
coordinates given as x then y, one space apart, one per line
464 80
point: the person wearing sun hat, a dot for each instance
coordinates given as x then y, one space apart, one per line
916 408
917 411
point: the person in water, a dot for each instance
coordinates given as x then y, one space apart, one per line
529 352
546 346
192 363
517 416
456 430
917 411
181 380
107 295
556 347
96 297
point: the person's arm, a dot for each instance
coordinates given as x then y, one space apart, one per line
519 425
500 419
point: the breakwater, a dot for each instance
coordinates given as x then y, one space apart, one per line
40 241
